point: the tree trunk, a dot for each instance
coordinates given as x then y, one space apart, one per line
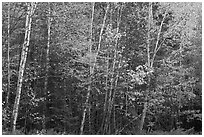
91 72
46 66
113 100
31 8
148 63
143 115
157 42
8 58
102 128
106 97
107 127
92 68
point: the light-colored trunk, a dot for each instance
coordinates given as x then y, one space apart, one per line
46 66
92 68
106 97
148 63
116 83
106 88
31 8
107 128
8 57
157 46
91 72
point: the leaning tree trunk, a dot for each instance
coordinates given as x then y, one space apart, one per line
30 11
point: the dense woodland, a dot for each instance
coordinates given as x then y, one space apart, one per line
97 68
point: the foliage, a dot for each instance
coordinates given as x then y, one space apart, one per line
121 81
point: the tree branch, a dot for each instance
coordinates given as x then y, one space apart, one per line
157 42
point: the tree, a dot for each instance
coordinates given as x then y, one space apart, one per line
150 61
47 64
8 92
91 73
102 68
31 8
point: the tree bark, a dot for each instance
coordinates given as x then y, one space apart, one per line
106 96
143 114
30 11
148 64
92 68
150 61
91 71
112 92
157 42
47 66
8 58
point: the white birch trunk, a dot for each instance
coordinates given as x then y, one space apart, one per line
31 8
8 57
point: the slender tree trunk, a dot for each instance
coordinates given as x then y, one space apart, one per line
113 100
150 61
65 103
89 118
107 128
107 91
47 65
65 87
25 122
117 75
179 93
148 64
143 114
31 8
157 42
8 58
92 68
106 96
91 72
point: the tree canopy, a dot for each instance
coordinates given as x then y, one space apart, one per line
116 68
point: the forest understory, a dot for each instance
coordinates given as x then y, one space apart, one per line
101 68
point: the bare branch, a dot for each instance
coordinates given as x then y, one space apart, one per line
158 36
